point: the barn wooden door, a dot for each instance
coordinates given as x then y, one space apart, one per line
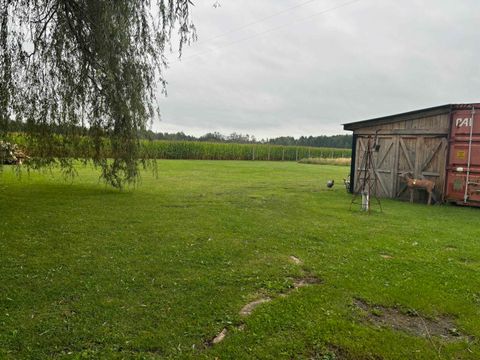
407 149
424 157
432 164
384 161
359 163
359 159
385 165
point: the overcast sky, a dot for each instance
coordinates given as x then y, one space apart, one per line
320 63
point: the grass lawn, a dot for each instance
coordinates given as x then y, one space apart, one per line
160 270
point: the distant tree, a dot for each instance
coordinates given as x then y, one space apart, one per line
212 137
72 65
240 138
335 141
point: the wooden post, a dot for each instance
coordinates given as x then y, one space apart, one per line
296 155
419 149
283 154
253 153
269 153
395 180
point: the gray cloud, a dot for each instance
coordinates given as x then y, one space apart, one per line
371 58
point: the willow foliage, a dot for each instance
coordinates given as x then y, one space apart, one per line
90 68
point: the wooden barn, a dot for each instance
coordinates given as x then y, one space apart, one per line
415 141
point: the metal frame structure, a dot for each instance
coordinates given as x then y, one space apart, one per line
368 179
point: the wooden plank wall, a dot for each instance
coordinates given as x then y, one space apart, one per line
418 146
429 123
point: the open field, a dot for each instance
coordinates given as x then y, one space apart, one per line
159 271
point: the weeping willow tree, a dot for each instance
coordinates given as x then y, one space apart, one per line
85 74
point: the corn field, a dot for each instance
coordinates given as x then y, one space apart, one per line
191 150
230 151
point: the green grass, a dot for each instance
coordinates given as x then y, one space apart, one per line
155 272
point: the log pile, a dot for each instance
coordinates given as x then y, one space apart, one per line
11 154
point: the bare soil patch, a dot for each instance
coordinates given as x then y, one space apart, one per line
248 309
217 338
411 322
220 337
296 260
335 352
306 281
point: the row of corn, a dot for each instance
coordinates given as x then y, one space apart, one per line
83 147
230 151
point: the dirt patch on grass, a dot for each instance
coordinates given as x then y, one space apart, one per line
411 322
306 281
248 309
223 334
300 282
297 283
220 337
295 260
335 352
216 339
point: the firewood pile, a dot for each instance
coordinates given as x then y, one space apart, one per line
11 154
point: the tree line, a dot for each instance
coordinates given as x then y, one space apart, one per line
334 141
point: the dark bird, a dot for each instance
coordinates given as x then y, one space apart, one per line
330 183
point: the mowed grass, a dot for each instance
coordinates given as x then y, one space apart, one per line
157 271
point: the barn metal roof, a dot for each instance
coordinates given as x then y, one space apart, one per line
410 115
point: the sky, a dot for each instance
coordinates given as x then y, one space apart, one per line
273 68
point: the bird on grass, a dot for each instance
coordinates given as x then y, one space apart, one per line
330 183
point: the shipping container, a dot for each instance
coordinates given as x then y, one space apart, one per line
463 170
